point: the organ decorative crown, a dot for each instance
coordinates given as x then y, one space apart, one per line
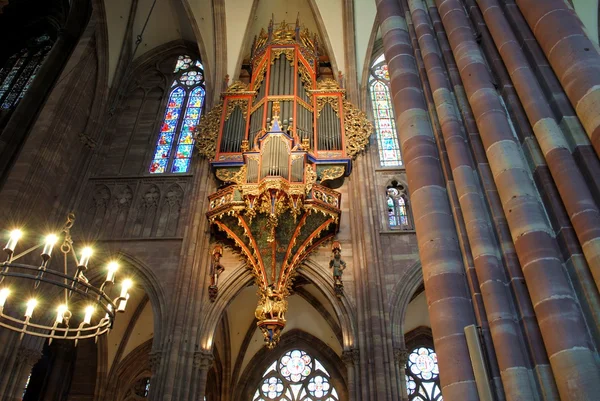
277 144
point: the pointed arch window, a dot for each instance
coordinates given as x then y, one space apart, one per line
423 375
20 70
296 376
383 114
397 207
175 143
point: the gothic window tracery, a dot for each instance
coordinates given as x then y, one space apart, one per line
398 213
422 375
20 70
296 376
383 114
139 391
173 151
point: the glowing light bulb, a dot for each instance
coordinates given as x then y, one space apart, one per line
15 236
4 293
60 312
125 286
86 254
31 304
123 303
89 311
112 269
51 240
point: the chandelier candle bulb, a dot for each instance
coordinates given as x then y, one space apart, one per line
49 246
31 304
123 303
125 288
112 269
15 236
89 311
4 293
60 313
86 254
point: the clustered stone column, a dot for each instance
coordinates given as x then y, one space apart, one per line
449 303
535 316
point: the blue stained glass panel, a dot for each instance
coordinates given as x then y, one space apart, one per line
167 131
158 166
162 152
181 165
184 151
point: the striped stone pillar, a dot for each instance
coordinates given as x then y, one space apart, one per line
561 322
572 187
517 281
450 308
506 333
459 220
572 55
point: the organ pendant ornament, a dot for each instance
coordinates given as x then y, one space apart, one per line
279 145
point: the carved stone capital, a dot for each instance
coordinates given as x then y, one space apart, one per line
350 356
28 356
155 359
401 356
203 359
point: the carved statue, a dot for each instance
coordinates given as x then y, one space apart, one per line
338 265
216 268
272 305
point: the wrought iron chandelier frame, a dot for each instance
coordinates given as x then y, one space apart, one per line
96 298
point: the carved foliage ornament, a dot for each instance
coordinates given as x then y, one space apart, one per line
208 132
358 129
232 104
332 100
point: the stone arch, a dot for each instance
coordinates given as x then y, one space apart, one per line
134 366
242 277
293 339
144 277
401 297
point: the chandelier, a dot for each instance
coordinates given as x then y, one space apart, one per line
82 310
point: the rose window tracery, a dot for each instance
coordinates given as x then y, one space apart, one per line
296 376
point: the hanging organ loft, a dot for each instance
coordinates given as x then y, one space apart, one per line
279 145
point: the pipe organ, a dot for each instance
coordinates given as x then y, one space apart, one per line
275 144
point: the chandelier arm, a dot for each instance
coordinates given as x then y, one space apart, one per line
95 331
99 296
25 252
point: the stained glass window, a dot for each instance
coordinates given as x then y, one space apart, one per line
422 375
182 115
20 70
397 207
26 385
383 114
296 376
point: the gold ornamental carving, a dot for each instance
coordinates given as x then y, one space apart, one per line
331 173
232 104
358 129
208 132
332 100
236 87
235 176
305 75
289 54
260 76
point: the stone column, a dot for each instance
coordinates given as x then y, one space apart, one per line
450 308
505 331
203 361
401 358
461 226
13 388
572 55
561 322
351 359
155 362
517 281
574 192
